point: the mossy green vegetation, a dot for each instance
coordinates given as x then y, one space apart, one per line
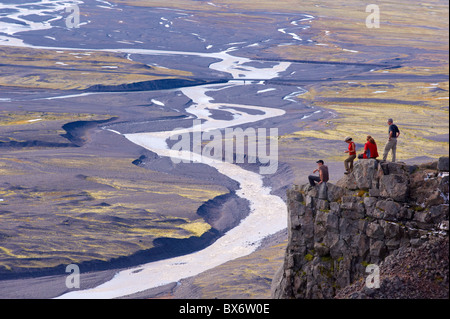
113 209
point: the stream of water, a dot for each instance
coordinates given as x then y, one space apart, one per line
267 212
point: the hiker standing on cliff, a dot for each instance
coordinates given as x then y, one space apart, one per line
323 174
351 155
391 144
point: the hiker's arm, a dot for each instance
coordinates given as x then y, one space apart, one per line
321 177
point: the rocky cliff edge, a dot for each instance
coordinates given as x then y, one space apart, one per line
392 215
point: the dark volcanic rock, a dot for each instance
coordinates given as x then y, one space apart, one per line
386 214
407 275
443 164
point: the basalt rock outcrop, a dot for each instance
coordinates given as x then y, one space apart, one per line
380 211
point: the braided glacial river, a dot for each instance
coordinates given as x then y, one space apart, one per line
267 212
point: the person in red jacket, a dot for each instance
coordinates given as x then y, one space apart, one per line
370 149
351 155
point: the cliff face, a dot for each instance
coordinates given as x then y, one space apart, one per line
380 210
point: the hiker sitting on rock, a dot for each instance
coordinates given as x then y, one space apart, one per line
370 149
323 172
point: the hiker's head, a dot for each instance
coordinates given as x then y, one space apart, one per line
370 139
349 139
320 163
390 121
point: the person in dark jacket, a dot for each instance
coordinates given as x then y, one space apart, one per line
391 144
